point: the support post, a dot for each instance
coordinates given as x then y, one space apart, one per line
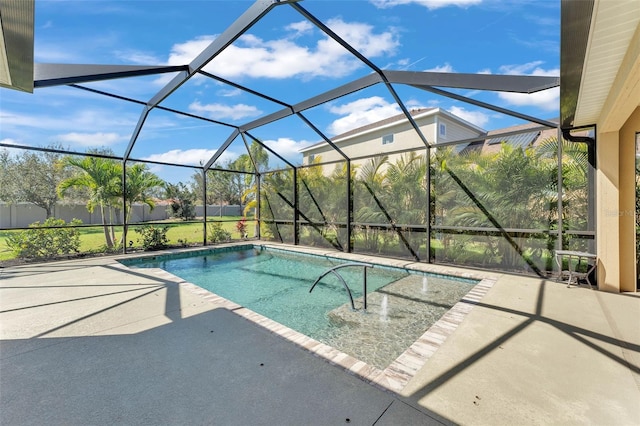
296 210
560 233
257 218
429 211
349 245
364 287
124 207
204 203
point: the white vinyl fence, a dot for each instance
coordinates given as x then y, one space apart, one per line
21 215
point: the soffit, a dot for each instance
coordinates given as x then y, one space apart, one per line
613 26
16 44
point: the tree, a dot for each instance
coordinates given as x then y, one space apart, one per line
32 177
102 178
230 187
181 200
504 190
140 183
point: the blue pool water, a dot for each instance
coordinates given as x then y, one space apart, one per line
275 283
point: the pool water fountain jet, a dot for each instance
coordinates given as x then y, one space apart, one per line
424 285
384 308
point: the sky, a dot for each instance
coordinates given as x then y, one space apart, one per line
283 56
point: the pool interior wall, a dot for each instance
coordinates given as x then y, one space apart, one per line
382 354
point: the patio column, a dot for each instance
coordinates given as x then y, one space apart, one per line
616 210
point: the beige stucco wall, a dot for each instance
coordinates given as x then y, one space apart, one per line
627 214
404 138
370 143
616 207
607 220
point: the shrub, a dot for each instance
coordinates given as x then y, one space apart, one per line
182 200
46 240
216 233
241 226
153 237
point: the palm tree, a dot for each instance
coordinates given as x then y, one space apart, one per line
504 190
102 178
139 183
369 183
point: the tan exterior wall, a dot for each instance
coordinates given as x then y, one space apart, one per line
404 138
628 272
454 132
370 143
608 222
616 207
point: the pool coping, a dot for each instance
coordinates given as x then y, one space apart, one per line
397 374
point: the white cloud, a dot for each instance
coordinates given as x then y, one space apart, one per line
362 37
252 56
221 111
137 57
301 27
228 93
288 148
360 113
442 68
190 156
478 118
91 139
548 100
430 4
529 68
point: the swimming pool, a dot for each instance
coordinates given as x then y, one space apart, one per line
401 304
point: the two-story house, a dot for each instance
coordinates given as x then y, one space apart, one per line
394 136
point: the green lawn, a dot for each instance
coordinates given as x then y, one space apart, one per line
93 240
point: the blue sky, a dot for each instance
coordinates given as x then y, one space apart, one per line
282 56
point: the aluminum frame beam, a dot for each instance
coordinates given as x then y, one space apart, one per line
315 21
221 150
491 82
47 75
575 24
530 118
252 15
228 36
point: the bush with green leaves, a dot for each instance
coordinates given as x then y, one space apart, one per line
54 237
217 234
153 237
182 201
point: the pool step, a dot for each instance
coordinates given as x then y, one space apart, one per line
411 308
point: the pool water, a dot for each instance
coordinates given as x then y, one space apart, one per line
275 283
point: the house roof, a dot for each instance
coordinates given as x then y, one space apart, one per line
419 112
516 136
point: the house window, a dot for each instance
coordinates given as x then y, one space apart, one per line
442 129
311 158
387 139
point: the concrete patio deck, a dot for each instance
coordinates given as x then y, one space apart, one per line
91 342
